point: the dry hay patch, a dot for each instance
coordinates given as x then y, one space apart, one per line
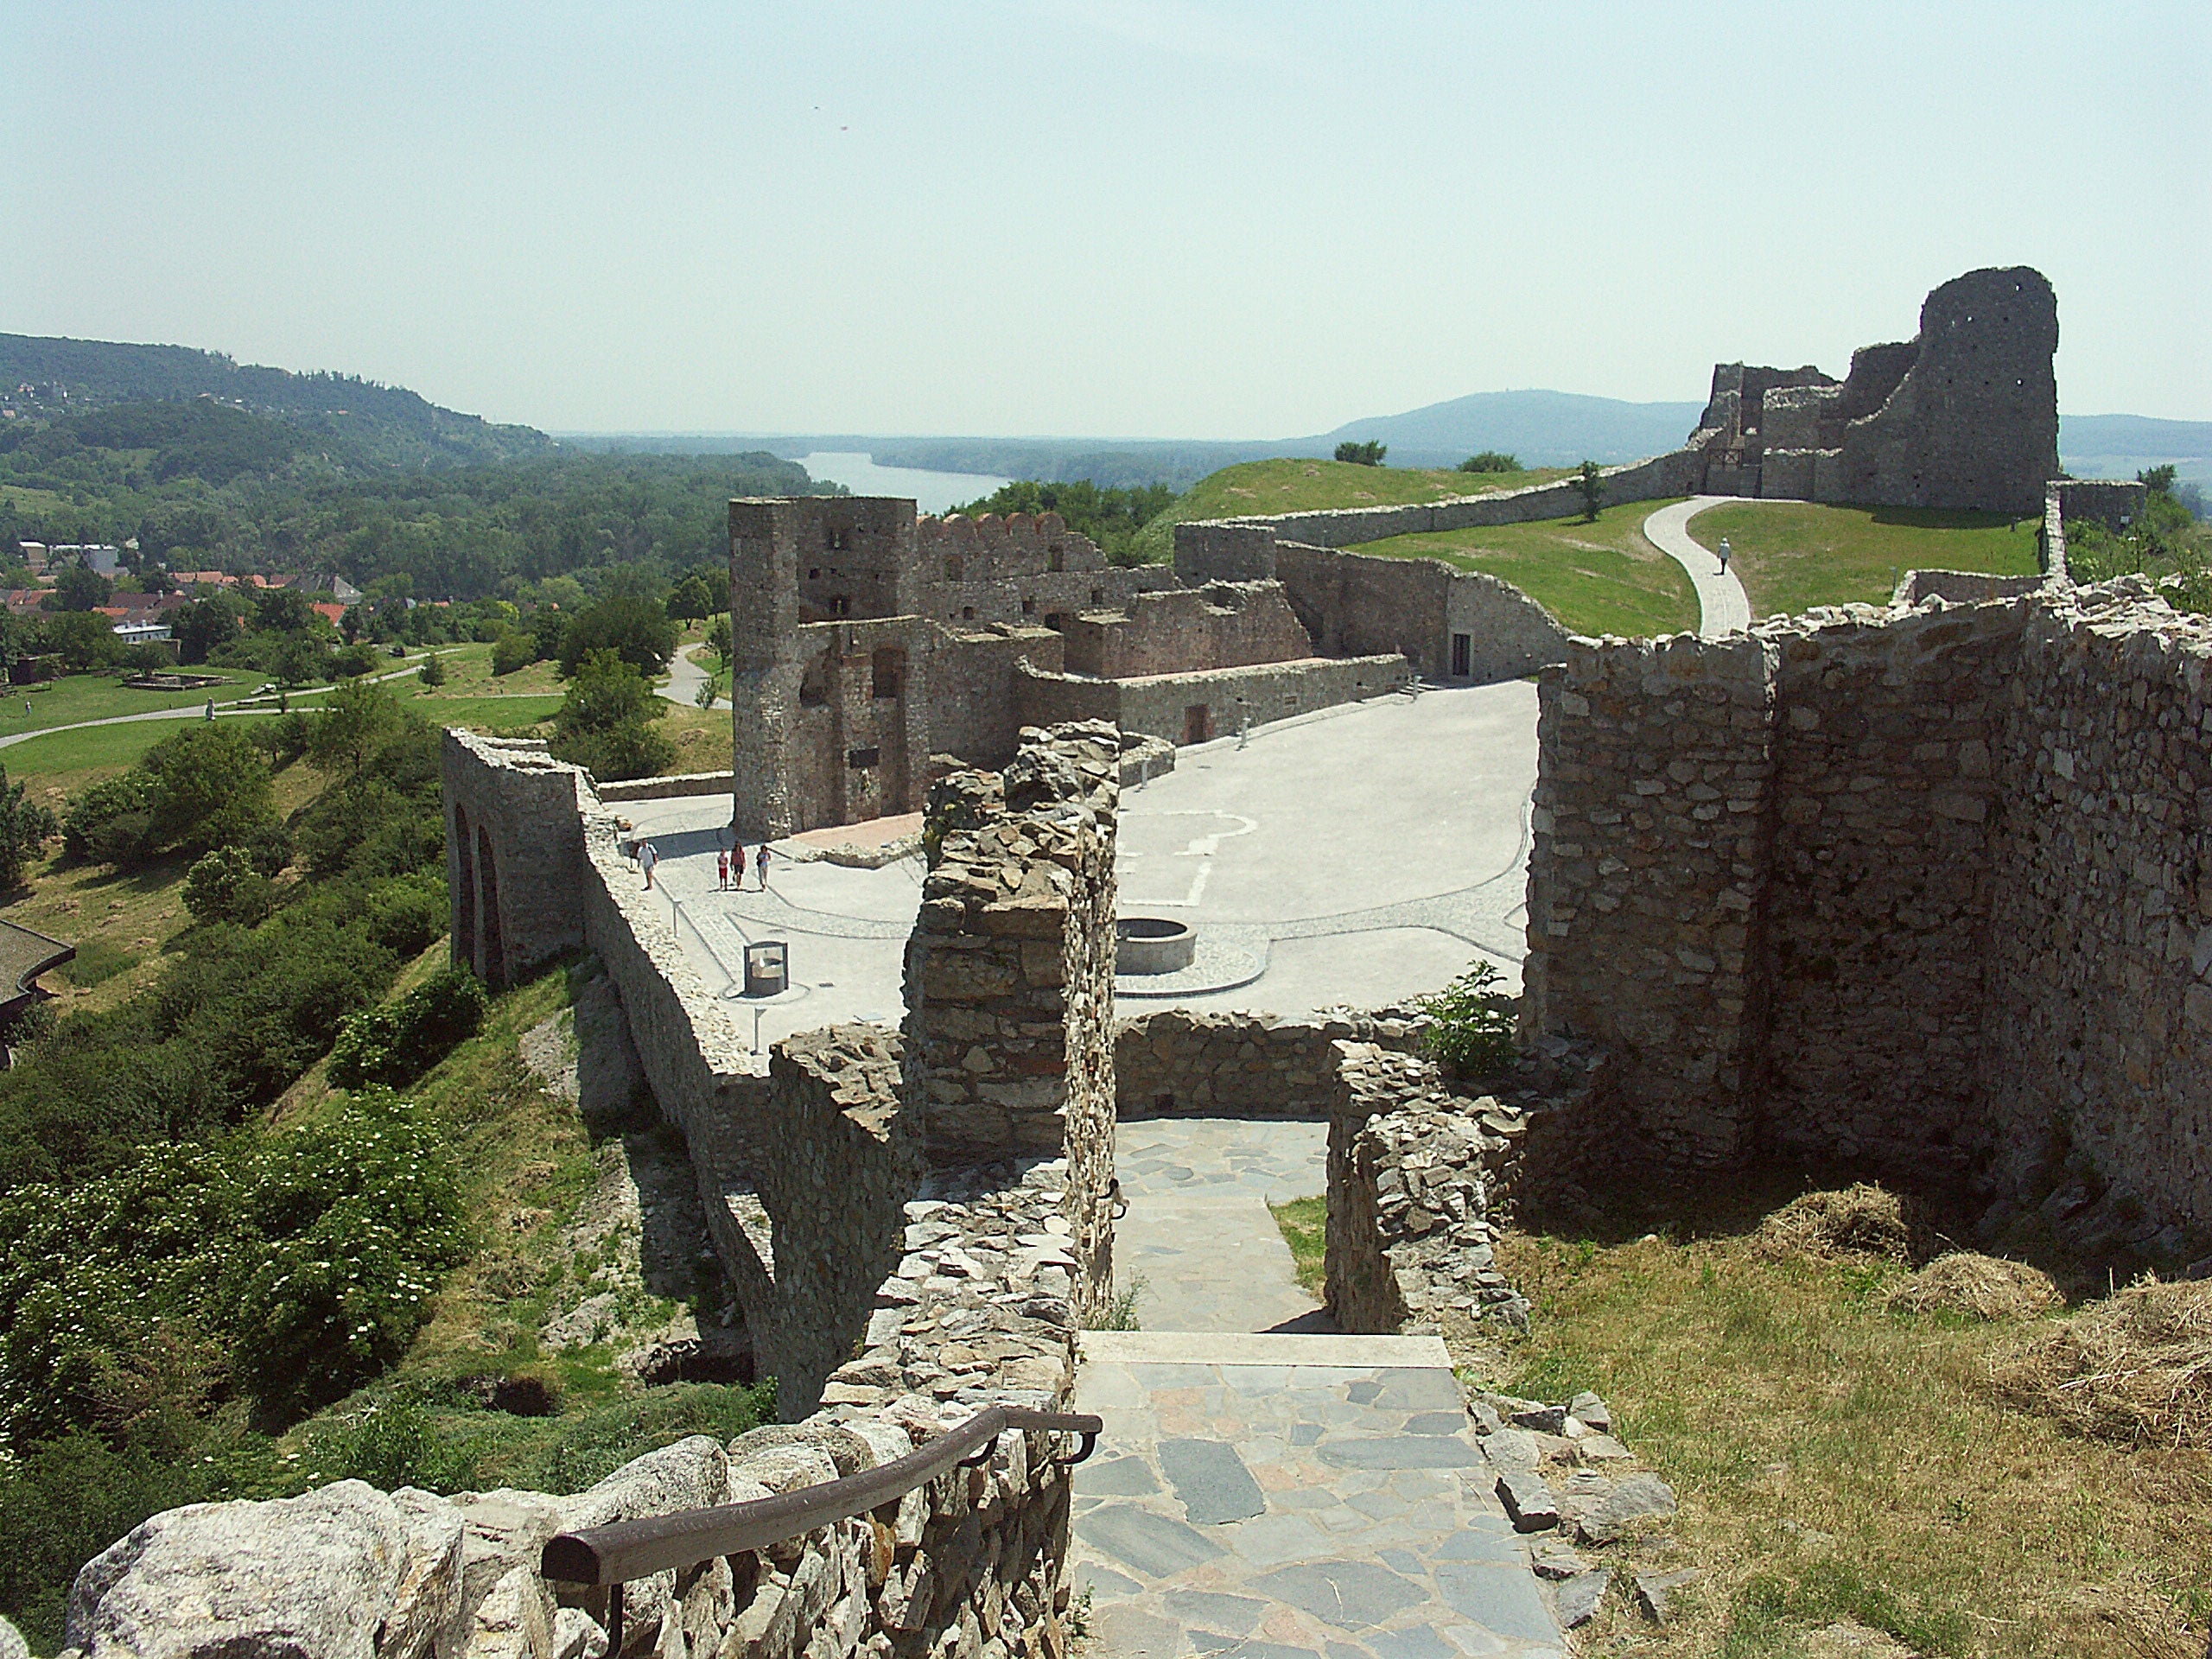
1979 1286
1859 1220
2136 1367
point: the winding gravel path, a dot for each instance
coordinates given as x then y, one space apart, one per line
1722 605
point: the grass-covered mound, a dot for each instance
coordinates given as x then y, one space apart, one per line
1791 556
1262 486
1595 578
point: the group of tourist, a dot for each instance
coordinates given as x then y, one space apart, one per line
729 865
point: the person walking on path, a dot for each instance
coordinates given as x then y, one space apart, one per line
764 867
721 870
648 855
211 708
1723 555
737 867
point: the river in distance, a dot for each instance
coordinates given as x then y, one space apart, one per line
933 492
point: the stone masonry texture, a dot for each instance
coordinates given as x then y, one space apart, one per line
1927 890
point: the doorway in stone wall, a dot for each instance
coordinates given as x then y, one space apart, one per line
1197 723
1462 654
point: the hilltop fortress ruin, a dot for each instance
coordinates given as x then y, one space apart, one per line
1922 889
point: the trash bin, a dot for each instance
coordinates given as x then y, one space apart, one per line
767 970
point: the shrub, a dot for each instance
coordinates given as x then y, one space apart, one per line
390 1443
1491 460
398 1042
512 650
25 828
634 627
84 825
1370 453
283 739
359 658
212 788
1593 489
224 887
433 671
1471 1024
603 722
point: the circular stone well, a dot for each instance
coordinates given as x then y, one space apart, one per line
1153 944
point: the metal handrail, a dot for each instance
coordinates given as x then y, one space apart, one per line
615 1553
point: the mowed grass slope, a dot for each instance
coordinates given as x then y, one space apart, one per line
1595 578
1838 1460
1792 556
1296 486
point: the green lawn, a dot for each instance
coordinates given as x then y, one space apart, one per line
1257 486
62 758
1794 555
1595 578
440 708
75 697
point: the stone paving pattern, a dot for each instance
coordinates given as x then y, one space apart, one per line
1269 1510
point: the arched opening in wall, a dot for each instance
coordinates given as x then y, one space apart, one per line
464 896
887 671
814 683
487 888
1057 558
953 567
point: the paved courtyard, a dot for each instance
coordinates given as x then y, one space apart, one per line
1360 855
1275 1496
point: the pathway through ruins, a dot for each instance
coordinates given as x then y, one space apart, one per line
1723 607
1266 1487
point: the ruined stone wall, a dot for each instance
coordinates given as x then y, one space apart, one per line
1178 1064
1010 972
1223 550
2098 1034
514 855
1651 845
971 699
1829 888
1961 588
1224 625
1974 422
1355 604
1196 708
971 1563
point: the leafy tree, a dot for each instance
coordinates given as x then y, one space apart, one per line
282 610
211 788
202 625
547 629
358 719
25 828
633 625
1491 460
1369 453
2159 480
689 601
433 671
1594 491
77 589
718 640
112 822
397 1043
603 722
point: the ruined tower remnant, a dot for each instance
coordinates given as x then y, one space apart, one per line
1965 415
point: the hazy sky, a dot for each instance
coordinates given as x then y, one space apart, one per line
1150 218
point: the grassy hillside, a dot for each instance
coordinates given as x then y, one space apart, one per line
1794 555
1595 578
1259 487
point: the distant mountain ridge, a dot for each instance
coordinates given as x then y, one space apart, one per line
382 424
1542 428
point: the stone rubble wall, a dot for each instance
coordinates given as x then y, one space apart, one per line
972 1562
1413 1170
1160 706
1357 604
1961 588
1829 887
1009 973
1179 1063
1223 624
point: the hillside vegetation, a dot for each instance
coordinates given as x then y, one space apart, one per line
1266 486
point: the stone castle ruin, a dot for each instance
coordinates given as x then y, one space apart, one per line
1923 889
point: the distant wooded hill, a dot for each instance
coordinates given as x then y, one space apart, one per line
371 424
